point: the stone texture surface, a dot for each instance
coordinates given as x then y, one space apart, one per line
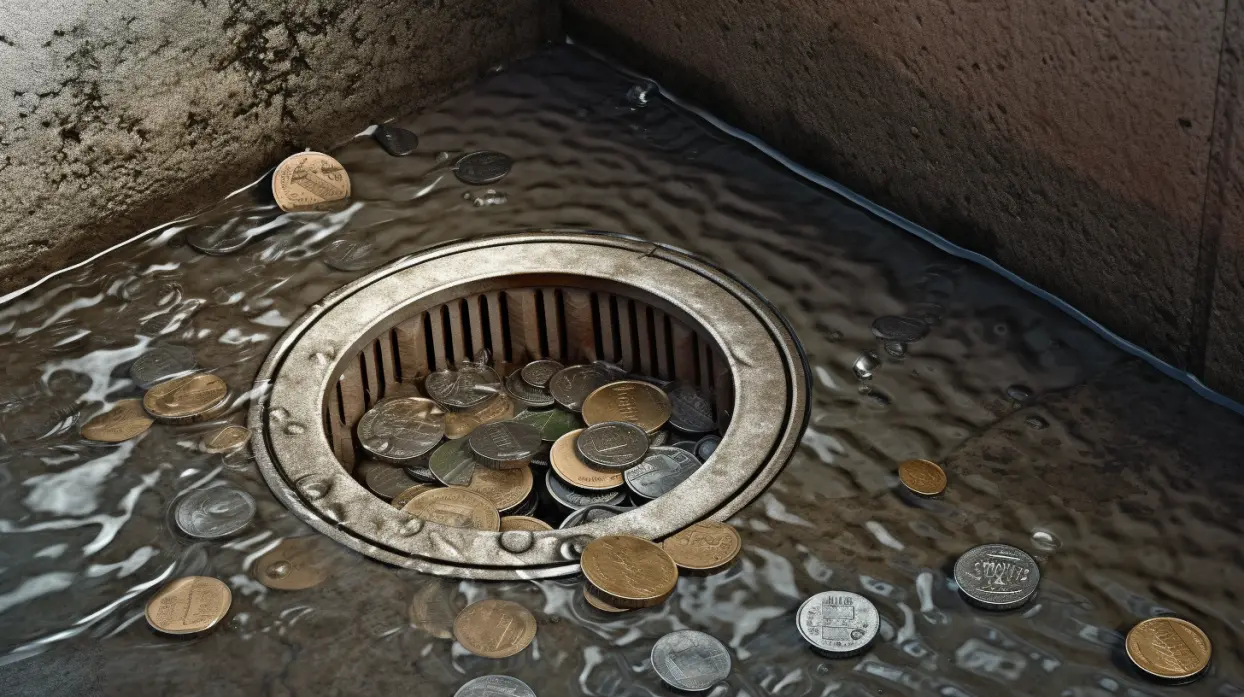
115 116
1067 140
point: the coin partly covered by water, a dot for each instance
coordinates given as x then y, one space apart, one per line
351 255
309 181
495 628
522 522
453 463
704 548
296 563
572 469
838 622
538 373
574 499
631 401
432 608
408 495
691 661
459 424
187 400
495 686
1168 648
482 167
612 444
552 423
997 576
570 387
189 605
456 508
395 140
691 411
525 394
401 430
663 469
226 439
384 480
628 572
211 514
125 420
160 363
504 489
505 444
466 388
922 477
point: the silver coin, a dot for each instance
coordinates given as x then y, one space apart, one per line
464 388
395 140
538 373
385 480
349 255
706 446
688 445
612 444
997 577
904 329
591 514
838 622
421 473
525 394
495 686
662 469
571 386
482 167
214 513
552 423
453 463
575 499
658 439
690 410
401 430
160 363
504 444
690 660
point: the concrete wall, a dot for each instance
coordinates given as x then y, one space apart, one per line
1088 146
119 114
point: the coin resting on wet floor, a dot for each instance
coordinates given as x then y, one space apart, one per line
482 167
459 424
565 461
838 622
522 522
504 444
570 387
552 423
215 512
401 430
465 388
160 363
408 495
125 420
612 444
690 660
704 548
525 394
456 508
226 439
574 499
997 576
186 400
631 401
309 181
495 628
691 411
504 489
663 469
628 571
922 477
495 686
1168 648
538 373
189 605
385 480
296 563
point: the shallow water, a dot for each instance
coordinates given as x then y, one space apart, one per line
85 531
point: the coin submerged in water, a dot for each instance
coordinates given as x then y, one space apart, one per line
662 469
213 513
226 439
309 181
350 255
495 686
495 628
297 563
186 399
691 411
571 386
552 423
612 444
997 576
525 394
922 477
632 401
628 572
456 508
432 609
160 363
538 373
395 140
464 388
838 622
690 660
402 429
1168 648
566 462
482 167
504 444
125 420
704 548
189 605
904 329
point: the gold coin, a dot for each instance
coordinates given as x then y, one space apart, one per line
495 628
459 424
297 563
189 605
523 522
628 572
432 609
186 399
1167 647
566 462
309 181
922 477
504 489
704 548
125 420
631 401
408 495
455 507
598 603
226 439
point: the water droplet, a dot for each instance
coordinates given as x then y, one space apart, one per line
1045 540
295 429
467 196
1036 423
411 527
278 414
866 364
313 487
382 446
280 569
334 512
442 156
1018 393
639 94
517 541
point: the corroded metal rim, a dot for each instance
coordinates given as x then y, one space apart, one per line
767 364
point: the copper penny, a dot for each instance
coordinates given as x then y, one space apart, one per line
308 181
455 507
432 609
922 477
632 401
628 572
459 424
704 548
189 605
125 420
495 628
598 603
1168 648
226 439
564 457
504 489
523 522
297 563
409 495
186 399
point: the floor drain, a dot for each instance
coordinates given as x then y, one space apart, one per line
570 296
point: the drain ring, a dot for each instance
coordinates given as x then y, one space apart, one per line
767 372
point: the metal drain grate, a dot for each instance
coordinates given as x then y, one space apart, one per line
572 296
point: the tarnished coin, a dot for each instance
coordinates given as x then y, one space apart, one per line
631 401
658 439
226 439
612 445
453 463
528 396
466 388
706 446
408 495
459 424
570 387
904 329
552 423
309 181
297 563
997 577
125 420
420 472
504 489
385 480
600 604
495 628
538 373
482 167
590 514
432 609
401 430
662 469
160 363
628 572
691 411
504 444
690 660
838 622
574 499
495 686
213 513
456 508
189 605
566 462
704 548
1168 648
187 399
522 522
922 477
351 255
395 140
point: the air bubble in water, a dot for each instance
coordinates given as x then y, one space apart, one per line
1036 423
638 95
